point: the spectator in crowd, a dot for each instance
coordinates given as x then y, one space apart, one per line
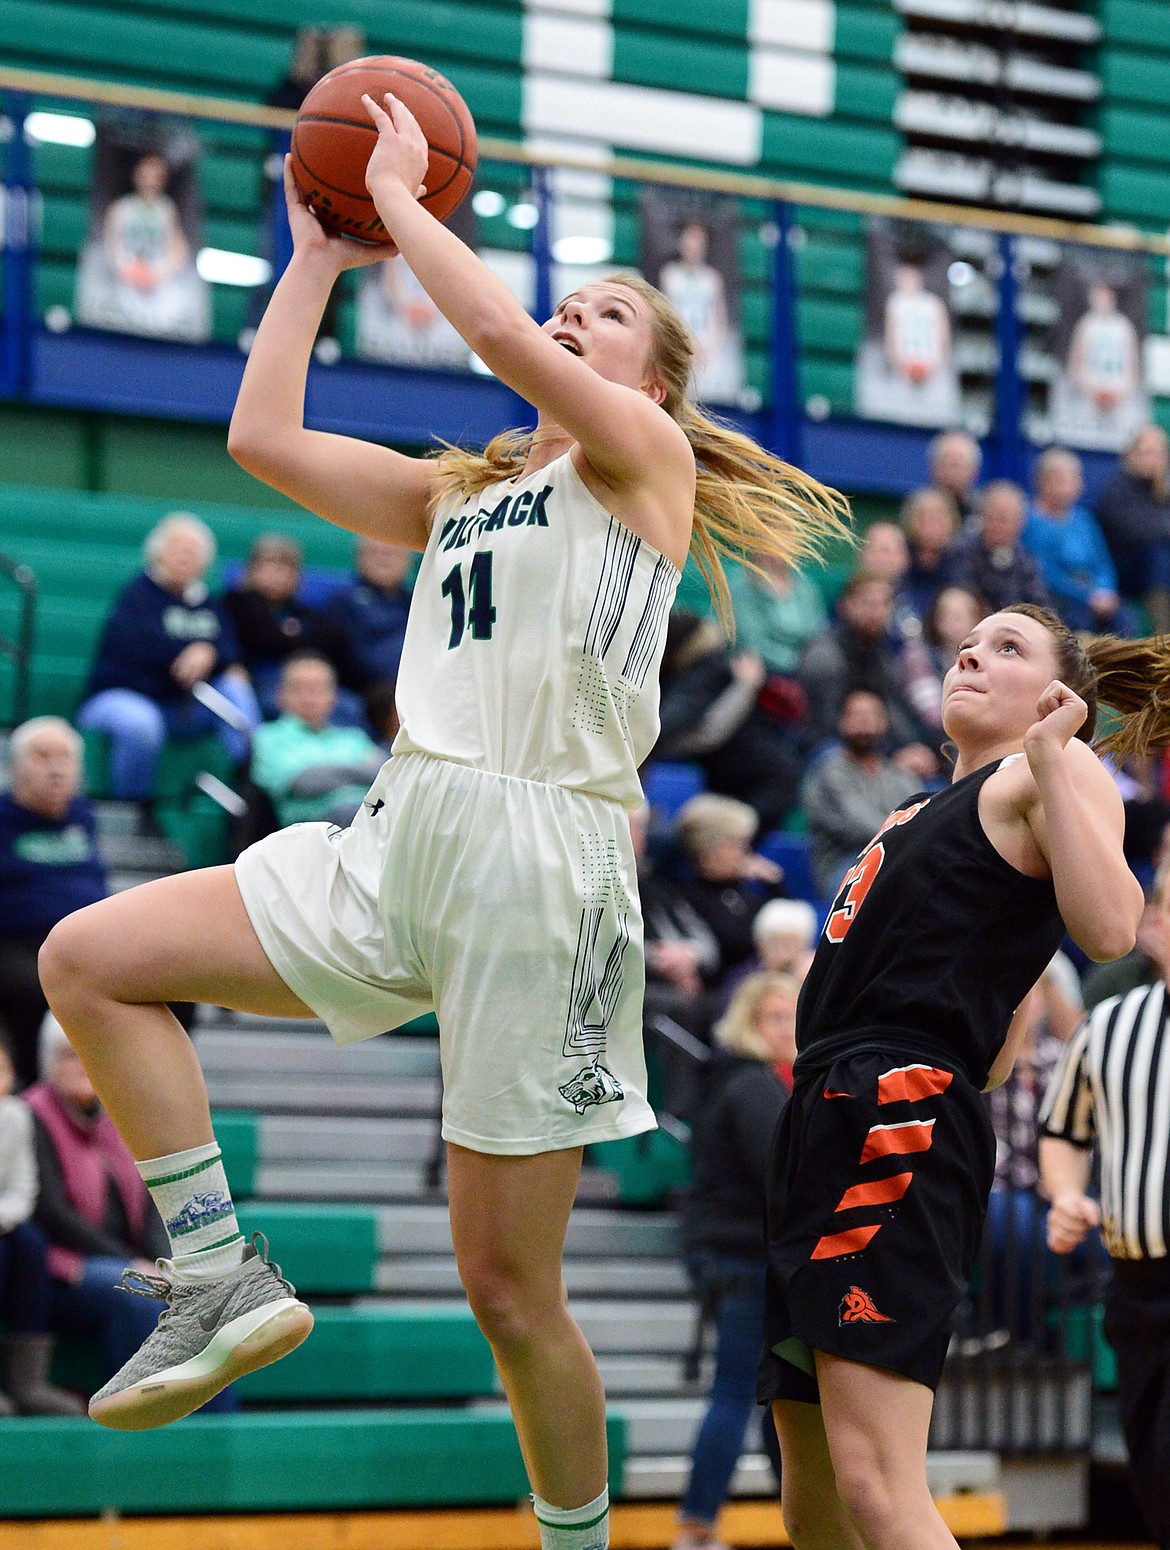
309 768
271 622
49 866
746 1087
95 1211
727 881
710 713
954 463
784 933
777 611
930 520
988 557
856 653
27 1350
1064 539
953 615
884 552
371 613
165 643
852 789
1109 1092
1134 513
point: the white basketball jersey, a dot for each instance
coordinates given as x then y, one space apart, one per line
535 637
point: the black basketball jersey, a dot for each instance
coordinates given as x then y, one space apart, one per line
932 942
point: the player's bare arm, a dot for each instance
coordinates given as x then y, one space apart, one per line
1013 1042
356 484
631 444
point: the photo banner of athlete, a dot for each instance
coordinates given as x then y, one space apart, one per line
136 273
905 368
397 322
1099 396
690 252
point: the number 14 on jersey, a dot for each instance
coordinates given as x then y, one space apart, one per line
473 604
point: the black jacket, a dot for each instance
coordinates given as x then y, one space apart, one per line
731 1150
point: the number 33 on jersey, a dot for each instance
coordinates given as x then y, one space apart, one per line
860 877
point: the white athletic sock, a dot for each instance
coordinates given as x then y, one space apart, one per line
574 1528
191 1192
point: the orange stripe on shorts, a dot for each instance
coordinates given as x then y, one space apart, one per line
834 1244
877 1193
909 1083
894 1140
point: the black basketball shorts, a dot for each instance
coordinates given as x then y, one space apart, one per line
880 1178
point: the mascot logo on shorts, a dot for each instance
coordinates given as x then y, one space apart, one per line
857 1307
594 1084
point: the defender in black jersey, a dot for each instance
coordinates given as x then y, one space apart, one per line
884 1157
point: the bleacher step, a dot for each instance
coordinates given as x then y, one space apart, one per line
426 1229
436 1275
297 1094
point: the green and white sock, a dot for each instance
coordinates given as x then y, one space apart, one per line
191 1192
574 1528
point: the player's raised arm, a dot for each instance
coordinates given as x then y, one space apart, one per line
356 484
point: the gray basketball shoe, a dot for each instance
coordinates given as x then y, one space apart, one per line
211 1333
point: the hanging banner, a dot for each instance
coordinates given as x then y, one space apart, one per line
398 322
136 273
905 368
1099 397
690 252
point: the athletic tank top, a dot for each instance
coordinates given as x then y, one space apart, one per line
535 637
932 942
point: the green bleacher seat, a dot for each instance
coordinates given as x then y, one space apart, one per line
238 1134
271 1462
324 1249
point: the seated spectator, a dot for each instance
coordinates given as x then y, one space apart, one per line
851 790
164 639
682 952
27 1351
309 768
371 613
930 520
884 552
727 882
925 662
95 1211
710 713
271 622
855 653
954 462
746 1087
1064 539
1134 513
777 610
988 557
784 932
49 866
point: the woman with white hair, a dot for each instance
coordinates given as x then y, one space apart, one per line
164 636
745 1092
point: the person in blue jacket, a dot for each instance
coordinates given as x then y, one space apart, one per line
371 614
165 637
1064 539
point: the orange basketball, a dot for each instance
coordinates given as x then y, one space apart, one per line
333 139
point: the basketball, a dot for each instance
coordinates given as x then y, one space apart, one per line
333 139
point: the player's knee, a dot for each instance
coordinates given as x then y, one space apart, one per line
866 1497
508 1312
64 961
800 1509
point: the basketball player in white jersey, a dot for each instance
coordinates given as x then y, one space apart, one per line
489 874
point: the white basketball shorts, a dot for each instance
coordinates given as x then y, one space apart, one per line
507 906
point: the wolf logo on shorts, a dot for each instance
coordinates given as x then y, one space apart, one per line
857 1307
592 1085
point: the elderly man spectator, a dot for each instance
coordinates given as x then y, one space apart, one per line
954 460
49 866
1134 514
309 768
1068 546
371 613
165 638
988 557
851 791
856 653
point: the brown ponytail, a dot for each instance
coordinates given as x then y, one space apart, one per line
1131 677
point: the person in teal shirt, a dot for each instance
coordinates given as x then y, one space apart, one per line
777 613
309 768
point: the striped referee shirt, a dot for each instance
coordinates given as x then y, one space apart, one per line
1112 1089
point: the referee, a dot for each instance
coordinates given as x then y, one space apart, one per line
1111 1090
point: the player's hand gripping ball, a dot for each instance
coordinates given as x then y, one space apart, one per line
334 137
